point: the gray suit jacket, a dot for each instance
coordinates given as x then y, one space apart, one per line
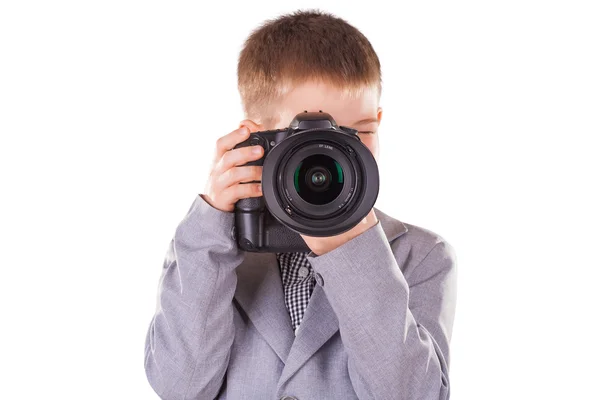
378 324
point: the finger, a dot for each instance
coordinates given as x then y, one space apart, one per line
228 142
253 126
242 191
237 175
236 157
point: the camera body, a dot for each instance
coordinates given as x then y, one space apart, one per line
318 179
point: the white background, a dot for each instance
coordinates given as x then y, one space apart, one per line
108 115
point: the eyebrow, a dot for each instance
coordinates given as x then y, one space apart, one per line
365 121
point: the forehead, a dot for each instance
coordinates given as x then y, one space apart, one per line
345 108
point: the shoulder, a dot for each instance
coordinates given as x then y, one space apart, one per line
417 249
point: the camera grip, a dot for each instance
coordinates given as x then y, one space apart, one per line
249 222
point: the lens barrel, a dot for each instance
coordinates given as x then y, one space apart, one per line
320 182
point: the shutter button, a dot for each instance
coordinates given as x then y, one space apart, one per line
255 141
289 398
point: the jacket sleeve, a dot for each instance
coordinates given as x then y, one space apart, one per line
396 334
190 336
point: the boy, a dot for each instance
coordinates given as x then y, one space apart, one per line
236 325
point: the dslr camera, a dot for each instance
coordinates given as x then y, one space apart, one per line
318 179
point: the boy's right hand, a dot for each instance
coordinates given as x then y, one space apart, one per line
223 188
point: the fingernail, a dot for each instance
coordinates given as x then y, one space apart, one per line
257 149
243 130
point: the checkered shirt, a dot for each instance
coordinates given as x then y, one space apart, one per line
298 281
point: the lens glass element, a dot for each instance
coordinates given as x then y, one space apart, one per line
318 179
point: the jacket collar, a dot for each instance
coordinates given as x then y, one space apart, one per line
259 292
392 227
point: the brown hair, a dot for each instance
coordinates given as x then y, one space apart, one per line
298 47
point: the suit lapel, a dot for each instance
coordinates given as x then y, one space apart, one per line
318 325
260 293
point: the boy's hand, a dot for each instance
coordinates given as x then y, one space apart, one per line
322 245
223 188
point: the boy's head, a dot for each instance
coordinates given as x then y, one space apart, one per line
311 60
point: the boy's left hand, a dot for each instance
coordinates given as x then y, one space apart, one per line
322 245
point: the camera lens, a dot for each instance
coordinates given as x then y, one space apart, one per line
318 179
319 182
